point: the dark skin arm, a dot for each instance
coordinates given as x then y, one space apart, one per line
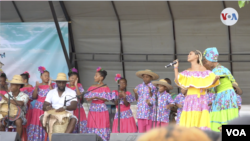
179 105
123 95
77 89
47 106
136 94
71 107
35 92
18 103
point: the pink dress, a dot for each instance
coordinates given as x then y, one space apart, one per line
35 130
2 92
83 119
98 117
164 99
28 91
127 121
210 98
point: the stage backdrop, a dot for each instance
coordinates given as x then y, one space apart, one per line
26 46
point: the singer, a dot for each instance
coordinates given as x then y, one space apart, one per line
165 102
55 100
21 100
98 117
143 94
127 121
35 130
196 80
77 87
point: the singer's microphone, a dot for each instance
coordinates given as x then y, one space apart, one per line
171 64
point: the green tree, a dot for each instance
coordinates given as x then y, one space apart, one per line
242 3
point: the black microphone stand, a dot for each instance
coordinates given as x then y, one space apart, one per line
78 96
79 116
119 112
9 96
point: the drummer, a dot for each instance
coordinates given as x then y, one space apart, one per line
21 100
55 100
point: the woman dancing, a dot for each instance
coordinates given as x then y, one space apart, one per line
196 80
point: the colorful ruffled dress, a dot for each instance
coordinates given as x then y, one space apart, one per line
239 100
29 91
179 99
35 130
195 109
83 119
224 107
210 98
127 121
163 113
98 116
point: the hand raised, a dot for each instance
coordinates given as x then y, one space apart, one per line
177 63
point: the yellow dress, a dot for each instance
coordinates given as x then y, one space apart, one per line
195 111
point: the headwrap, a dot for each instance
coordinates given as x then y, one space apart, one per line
211 54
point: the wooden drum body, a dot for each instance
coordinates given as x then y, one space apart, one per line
56 122
15 111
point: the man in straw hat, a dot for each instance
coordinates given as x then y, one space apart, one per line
21 100
143 93
165 102
55 100
224 106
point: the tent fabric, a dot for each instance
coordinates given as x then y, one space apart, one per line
146 28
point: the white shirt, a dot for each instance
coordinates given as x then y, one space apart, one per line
58 102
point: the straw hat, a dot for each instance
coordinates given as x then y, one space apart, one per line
164 83
17 79
148 72
61 77
238 89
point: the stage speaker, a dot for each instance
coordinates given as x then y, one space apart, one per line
124 136
9 136
75 137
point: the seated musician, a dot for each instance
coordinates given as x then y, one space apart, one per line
21 100
55 100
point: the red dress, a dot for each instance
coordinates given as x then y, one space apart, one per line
98 117
3 93
127 121
35 130
28 91
83 119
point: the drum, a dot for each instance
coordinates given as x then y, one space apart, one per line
55 122
15 111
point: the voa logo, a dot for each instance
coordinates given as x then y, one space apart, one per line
236 132
229 16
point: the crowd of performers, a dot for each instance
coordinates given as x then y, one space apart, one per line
209 98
